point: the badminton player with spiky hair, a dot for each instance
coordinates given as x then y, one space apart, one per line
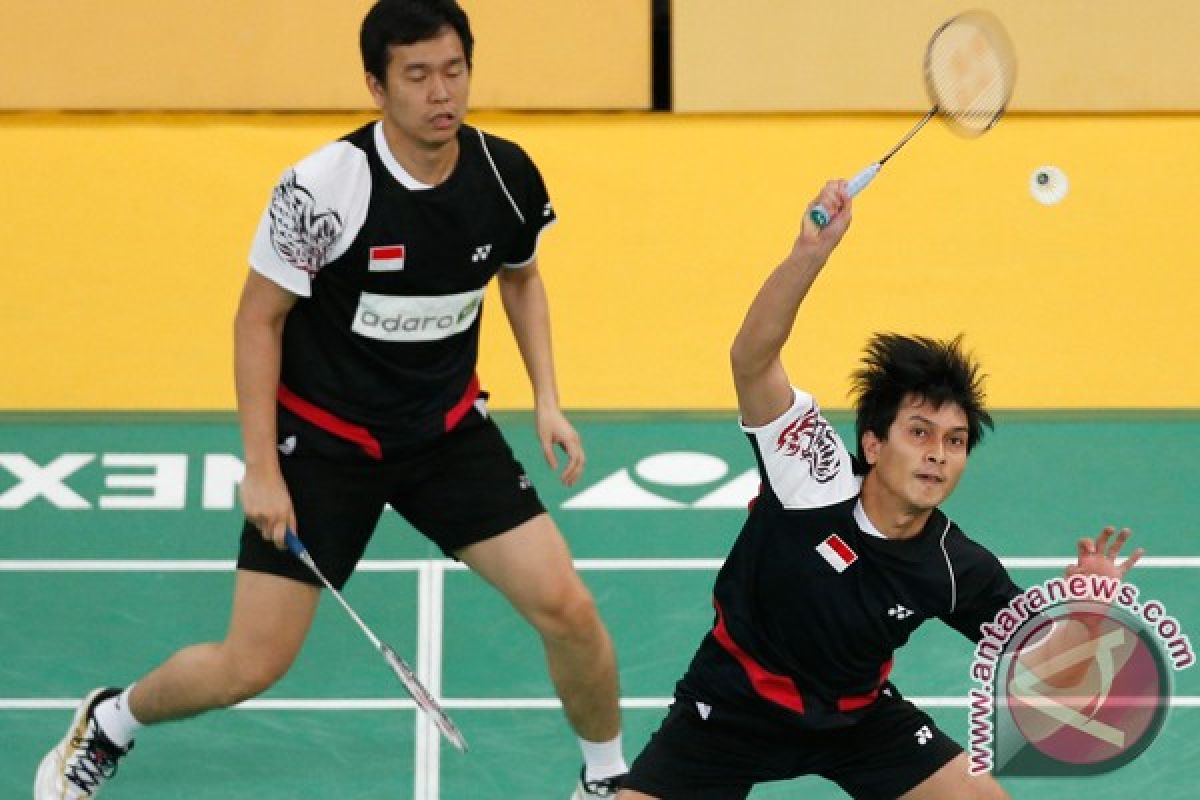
839 561
356 341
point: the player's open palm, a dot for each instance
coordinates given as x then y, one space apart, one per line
1099 556
267 504
554 431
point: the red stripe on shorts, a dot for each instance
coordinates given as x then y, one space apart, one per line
455 415
328 422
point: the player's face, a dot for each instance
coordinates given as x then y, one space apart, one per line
923 457
425 98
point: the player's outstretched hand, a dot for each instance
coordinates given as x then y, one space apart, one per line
818 243
553 431
1099 556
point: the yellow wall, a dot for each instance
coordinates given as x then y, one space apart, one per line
303 54
788 55
125 240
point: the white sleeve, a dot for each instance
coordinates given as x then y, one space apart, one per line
316 211
802 458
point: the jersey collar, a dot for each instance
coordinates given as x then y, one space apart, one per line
864 522
393 166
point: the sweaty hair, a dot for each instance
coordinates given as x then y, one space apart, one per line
392 22
895 367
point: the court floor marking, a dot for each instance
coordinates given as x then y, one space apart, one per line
430 616
364 704
430 594
416 565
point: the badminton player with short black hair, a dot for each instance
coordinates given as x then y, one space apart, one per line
356 342
839 561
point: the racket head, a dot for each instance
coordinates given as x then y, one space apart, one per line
423 698
970 71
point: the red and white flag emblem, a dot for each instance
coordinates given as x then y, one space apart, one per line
389 258
836 552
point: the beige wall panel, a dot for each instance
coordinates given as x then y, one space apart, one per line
303 54
126 240
561 54
866 55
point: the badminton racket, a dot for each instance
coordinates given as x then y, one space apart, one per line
412 684
970 70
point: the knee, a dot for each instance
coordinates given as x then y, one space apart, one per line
248 675
567 613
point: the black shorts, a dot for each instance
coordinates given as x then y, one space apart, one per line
463 488
892 749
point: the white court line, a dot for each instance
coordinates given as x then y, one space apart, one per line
582 564
427 777
457 704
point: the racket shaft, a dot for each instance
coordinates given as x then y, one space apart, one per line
299 551
412 684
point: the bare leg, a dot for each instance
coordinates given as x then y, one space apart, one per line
531 566
271 617
954 782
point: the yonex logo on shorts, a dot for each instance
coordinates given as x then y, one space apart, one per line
481 253
415 319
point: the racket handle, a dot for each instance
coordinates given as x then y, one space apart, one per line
820 215
294 544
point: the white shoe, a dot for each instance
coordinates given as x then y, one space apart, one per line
592 790
83 760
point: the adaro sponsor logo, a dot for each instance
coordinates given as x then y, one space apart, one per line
415 319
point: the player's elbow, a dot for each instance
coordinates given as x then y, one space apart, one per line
747 362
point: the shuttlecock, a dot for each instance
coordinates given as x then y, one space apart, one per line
1048 185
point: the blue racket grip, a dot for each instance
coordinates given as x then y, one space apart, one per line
820 215
294 544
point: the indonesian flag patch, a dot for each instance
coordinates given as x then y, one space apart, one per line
389 258
836 552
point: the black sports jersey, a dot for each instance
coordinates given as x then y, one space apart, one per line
813 601
382 346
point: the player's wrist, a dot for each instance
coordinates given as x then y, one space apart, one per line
546 402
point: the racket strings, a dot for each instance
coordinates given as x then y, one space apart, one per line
970 71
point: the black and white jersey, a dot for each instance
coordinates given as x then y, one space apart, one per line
813 600
382 346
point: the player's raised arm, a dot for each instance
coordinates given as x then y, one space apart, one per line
763 389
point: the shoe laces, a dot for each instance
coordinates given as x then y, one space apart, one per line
93 759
